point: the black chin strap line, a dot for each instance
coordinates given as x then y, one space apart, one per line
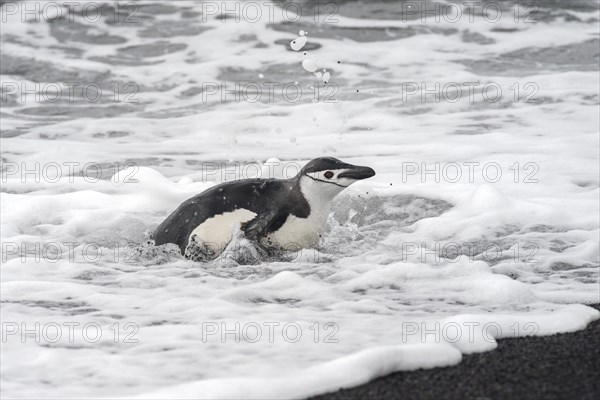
321 180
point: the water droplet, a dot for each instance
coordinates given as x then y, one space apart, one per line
309 65
326 77
298 43
261 76
302 33
293 139
318 75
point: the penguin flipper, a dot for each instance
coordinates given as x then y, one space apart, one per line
263 224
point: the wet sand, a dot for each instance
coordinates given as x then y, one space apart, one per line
564 366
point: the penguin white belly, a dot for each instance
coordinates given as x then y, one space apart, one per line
218 230
297 233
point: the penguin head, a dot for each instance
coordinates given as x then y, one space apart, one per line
330 176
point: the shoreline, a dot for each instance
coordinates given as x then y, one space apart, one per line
560 366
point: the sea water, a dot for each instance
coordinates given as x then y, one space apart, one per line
481 223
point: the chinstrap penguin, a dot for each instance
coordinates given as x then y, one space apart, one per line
284 214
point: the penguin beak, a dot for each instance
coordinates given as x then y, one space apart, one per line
357 172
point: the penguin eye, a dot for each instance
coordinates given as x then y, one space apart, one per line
328 175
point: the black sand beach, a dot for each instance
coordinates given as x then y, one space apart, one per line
564 366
